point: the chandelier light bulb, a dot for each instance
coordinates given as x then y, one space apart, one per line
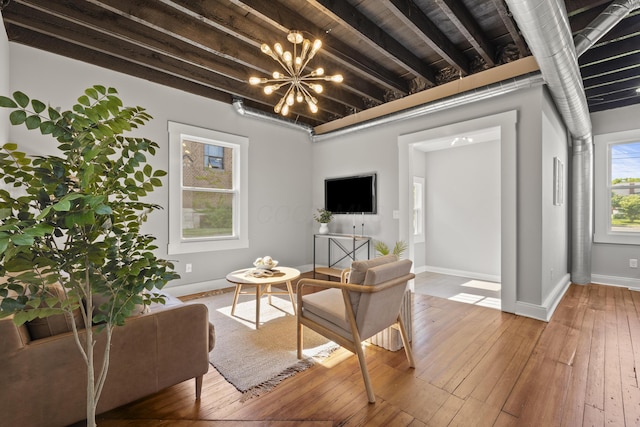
317 88
313 107
290 98
278 106
337 78
288 58
299 97
256 80
265 49
269 89
278 48
285 109
277 75
305 48
318 72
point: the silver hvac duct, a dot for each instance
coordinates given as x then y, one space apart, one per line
240 108
603 23
545 26
486 92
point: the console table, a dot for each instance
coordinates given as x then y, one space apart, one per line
345 246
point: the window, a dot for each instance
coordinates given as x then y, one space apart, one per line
418 209
213 156
208 174
617 188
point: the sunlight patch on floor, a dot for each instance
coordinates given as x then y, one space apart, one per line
477 300
479 284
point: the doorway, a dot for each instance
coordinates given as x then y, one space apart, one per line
500 128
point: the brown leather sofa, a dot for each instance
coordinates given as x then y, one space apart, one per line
43 381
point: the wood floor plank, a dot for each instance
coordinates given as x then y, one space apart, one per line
578 369
574 406
613 409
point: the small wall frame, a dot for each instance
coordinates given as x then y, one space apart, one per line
558 182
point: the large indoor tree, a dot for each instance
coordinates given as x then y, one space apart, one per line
75 219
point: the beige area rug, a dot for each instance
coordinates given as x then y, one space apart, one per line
255 361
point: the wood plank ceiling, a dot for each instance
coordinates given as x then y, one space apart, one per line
385 49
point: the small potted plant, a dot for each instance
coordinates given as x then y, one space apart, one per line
324 217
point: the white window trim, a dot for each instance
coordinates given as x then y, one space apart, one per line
419 237
240 144
602 179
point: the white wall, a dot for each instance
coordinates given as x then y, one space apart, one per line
463 210
376 150
610 262
555 221
280 215
4 81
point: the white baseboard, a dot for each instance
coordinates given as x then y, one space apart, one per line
625 282
545 310
461 273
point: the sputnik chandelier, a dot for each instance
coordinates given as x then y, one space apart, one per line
300 86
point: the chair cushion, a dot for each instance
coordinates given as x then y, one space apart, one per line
359 268
378 310
328 305
359 272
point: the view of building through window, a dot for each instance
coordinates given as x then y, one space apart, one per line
207 190
625 187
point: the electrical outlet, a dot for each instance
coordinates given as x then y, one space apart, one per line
188 268
633 263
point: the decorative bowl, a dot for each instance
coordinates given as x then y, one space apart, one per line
261 264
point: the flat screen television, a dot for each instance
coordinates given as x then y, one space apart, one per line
351 194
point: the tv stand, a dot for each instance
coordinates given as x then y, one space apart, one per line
345 246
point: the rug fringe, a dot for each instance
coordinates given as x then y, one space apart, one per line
269 385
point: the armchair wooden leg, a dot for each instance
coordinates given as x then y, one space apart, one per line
198 386
299 340
365 373
406 343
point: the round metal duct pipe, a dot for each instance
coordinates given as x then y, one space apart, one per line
545 26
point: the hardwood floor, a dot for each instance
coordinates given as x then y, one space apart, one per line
475 366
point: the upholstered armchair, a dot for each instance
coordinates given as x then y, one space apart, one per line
365 302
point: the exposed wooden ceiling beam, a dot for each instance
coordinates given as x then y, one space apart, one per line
377 38
510 24
460 16
413 18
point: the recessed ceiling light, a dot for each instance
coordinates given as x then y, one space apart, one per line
638 90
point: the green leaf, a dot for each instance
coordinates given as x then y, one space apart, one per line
22 240
53 113
38 106
21 99
147 170
7 102
84 100
47 127
104 210
92 93
62 206
33 122
17 117
10 146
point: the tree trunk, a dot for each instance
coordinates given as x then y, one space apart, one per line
91 402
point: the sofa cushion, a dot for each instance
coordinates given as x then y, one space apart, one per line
57 323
